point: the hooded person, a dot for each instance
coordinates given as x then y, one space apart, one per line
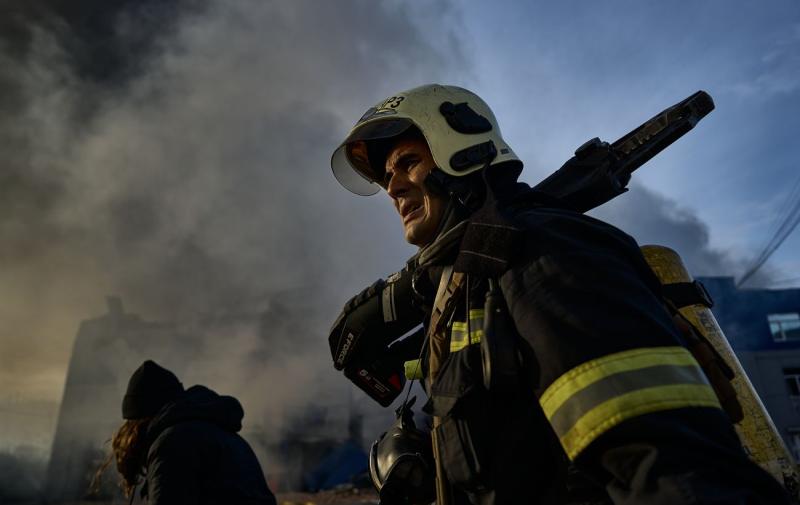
185 443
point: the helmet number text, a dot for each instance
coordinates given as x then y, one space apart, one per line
391 102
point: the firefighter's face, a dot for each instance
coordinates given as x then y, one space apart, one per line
407 165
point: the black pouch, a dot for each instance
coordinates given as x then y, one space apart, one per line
462 436
460 455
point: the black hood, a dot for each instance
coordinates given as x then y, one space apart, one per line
198 403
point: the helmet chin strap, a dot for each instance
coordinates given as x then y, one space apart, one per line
468 191
460 194
464 196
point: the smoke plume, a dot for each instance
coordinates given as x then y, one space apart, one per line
177 154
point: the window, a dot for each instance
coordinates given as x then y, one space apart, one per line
784 326
792 378
794 442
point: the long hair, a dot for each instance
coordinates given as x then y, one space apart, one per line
129 451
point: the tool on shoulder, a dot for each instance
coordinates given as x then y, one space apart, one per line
599 171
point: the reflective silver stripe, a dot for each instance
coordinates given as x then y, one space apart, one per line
387 301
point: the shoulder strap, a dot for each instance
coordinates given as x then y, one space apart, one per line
719 373
450 287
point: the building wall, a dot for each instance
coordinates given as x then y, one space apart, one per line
742 315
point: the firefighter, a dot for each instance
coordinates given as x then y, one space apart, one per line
580 390
185 444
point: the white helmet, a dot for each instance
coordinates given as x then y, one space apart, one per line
459 127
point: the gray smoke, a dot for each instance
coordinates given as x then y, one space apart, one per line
654 219
178 156
59 63
22 472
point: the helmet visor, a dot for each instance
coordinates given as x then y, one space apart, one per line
355 177
352 164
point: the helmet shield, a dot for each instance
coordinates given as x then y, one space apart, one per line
354 163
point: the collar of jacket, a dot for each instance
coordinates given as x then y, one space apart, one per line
491 237
429 262
484 243
442 250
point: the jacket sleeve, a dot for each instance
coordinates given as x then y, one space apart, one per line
174 468
627 401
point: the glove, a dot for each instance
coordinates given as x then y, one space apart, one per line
374 318
358 315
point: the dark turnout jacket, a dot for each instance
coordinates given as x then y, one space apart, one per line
608 405
196 456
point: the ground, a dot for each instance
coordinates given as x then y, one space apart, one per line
334 497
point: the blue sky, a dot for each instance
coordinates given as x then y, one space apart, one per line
559 73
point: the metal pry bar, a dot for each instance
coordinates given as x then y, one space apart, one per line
639 146
600 171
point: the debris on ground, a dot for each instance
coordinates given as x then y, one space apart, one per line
343 495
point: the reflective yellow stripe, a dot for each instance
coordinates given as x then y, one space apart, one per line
581 376
413 369
458 341
458 334
609 414
599 394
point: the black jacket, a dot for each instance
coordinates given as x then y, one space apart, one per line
584 307
197 457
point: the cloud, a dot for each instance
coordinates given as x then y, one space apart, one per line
652 218
777 73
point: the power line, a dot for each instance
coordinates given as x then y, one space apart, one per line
789 220
780 226
783 212
785 230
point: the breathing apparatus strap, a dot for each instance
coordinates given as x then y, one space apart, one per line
717 370
450 286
